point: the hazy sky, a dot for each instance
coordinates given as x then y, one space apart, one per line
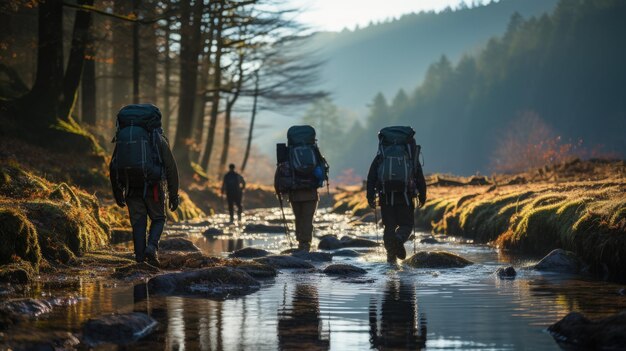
334 15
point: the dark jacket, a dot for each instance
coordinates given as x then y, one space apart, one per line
233 184
171 173
397 197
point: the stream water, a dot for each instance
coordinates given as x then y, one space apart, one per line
392 307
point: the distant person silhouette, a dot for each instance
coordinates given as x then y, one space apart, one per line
398 326
233 186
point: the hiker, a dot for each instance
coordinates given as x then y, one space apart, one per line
301 169
233 186
142 164
396 177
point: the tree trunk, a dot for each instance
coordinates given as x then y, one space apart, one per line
167 71
227 118
80 37
136 53
189 51
88 84
122 56
216 86
42 103
254 107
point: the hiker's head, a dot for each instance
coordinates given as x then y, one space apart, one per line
231 166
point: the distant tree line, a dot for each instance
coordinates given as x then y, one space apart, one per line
565 69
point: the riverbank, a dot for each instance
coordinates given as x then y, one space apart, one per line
578 206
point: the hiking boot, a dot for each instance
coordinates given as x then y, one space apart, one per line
391 257
151 256
400 251
306 247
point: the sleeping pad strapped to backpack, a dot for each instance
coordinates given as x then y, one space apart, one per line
300 163
398 154
136 160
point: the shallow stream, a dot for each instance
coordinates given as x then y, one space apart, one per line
392 307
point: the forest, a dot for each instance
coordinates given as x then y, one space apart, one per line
552 84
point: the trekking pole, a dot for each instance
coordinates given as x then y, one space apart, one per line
414 234
282 210
376 227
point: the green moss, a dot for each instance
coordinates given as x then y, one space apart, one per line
63 192
19 238
17 273
186 210
18 184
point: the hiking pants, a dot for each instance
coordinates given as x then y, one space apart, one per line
304 212
398 221
139 209
234 199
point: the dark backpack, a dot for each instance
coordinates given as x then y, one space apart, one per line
136 159
398 155
300 163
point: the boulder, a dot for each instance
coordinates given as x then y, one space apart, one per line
26 307
257 270
263 228
213 232
506 273
287 262
178 244
341 269
249 252
17 273
347 241
119 329
562 261
575 331
135 270
216 282
313 256
329 242
346 253
436 259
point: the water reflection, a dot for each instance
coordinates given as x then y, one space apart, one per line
299 324
397 323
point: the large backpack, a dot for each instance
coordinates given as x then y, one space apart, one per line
399 155
300 163
137 159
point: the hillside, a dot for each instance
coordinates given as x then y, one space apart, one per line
391 55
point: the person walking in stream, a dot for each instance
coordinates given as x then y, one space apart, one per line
301 170
141 167
396 178
233 186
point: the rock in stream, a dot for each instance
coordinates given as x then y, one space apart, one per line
436 259
119 329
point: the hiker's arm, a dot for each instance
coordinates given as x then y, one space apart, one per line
372 179
171 170
420 182
276 182
118 192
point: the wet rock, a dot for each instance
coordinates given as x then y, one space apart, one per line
249 252
430 241
436 259
313 256
341 269
121 235
329 242
178 244
18 237
287 262
346 253
347 241
26 307
576 331
368 218
216 282
204 223
258 270
181 260
119 329
263 228
506 273
213 232
621 292
560 261
135 270
39 340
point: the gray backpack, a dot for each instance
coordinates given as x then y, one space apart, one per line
398 155
136 159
